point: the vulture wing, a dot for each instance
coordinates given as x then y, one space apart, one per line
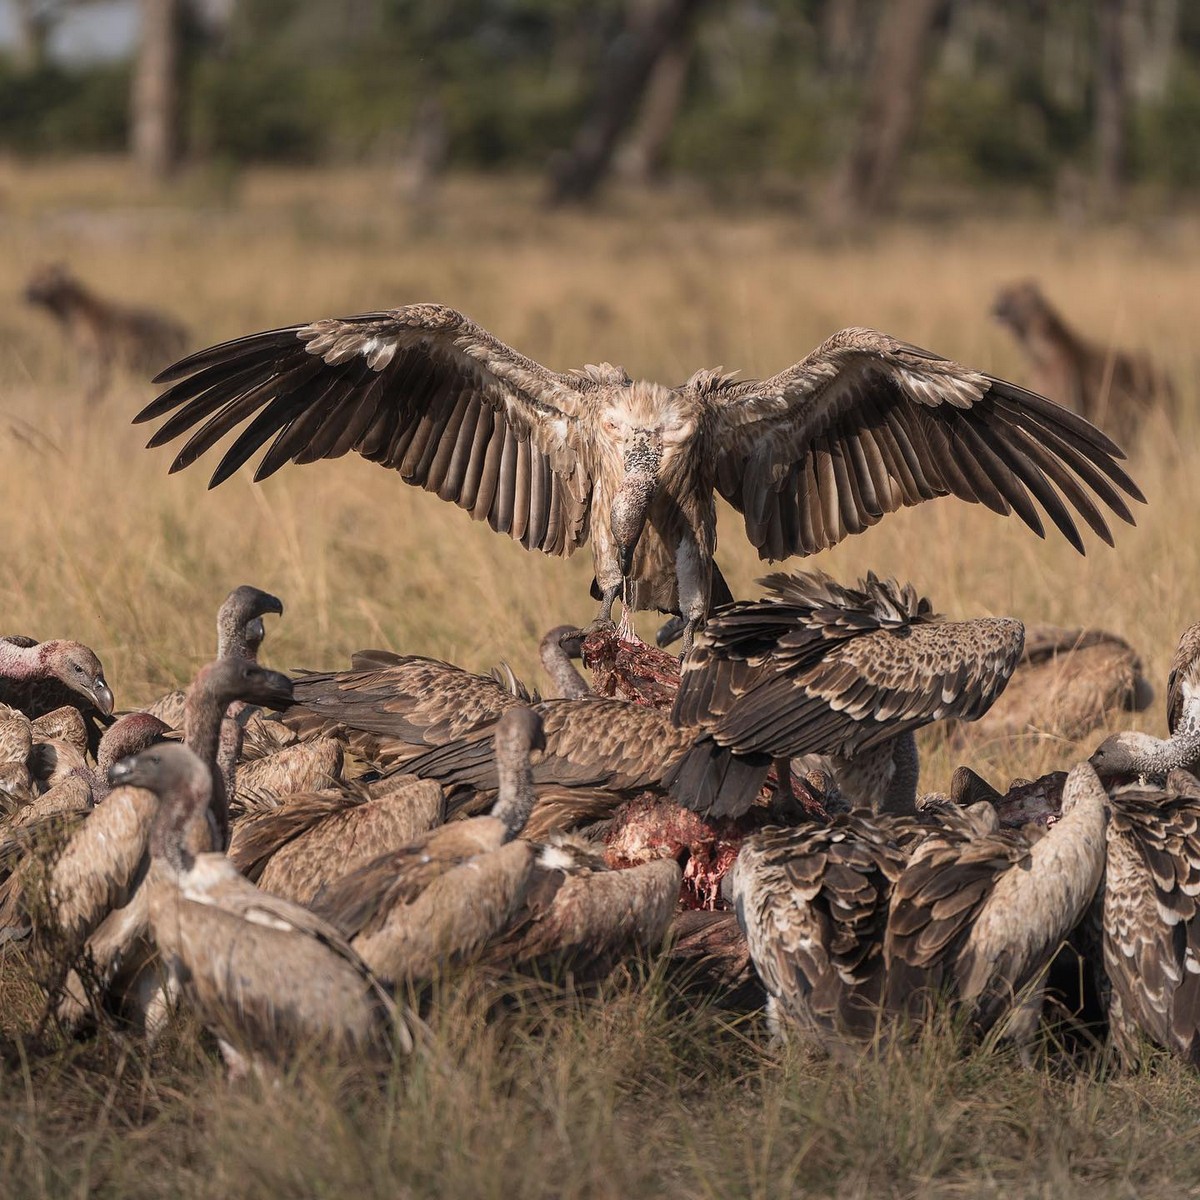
419 389
867 424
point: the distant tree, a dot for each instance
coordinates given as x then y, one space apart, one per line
867 181
35 21
154 102
1112 104
642 156
625 74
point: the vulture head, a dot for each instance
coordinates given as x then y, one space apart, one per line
1124 756
230 679
133 733
78 668
183 784
240 629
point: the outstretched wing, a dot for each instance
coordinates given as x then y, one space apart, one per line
867 424
422 390
869 689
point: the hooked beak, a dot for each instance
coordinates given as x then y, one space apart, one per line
278 693
102 697
123 771
632 503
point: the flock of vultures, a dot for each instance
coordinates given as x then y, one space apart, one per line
297 860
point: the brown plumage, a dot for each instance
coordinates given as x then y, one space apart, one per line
598 751
65 724
215 688
307 767
862 426
1068 683
578 916
1112 388
444 895
300 845
849 673
101 332
1151 919
1183 683
978 914
240 633
267 976
813 902
391 707
80 787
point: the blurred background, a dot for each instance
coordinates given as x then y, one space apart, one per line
851 107
665 184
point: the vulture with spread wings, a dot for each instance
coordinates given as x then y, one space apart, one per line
863 426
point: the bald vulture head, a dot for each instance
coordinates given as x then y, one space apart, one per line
182 781
230 679
133 733
77 667
1131 754
240 629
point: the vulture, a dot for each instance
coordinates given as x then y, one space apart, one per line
556 650
296 846
1151 920
978 914
111 860
440 898
820 668
812 902
1131 754
39 677
240 632
862 426
1183 683
268 977
599 751
391 707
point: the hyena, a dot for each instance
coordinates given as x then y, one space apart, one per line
102 333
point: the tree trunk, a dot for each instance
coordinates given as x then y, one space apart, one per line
154 120
868 179
34 20
626 73
641 160
1112 105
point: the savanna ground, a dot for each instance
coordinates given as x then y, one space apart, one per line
639 1095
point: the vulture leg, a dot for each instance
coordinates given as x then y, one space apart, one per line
693 570
785 807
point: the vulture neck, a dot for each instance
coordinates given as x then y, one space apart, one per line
23 664
569 684
180 828
1162 757
233 635
203 714
517 796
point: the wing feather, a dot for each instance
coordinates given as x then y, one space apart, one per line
867 424
421 390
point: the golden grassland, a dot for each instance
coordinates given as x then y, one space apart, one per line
640 1095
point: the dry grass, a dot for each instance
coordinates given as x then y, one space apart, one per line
625 1098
